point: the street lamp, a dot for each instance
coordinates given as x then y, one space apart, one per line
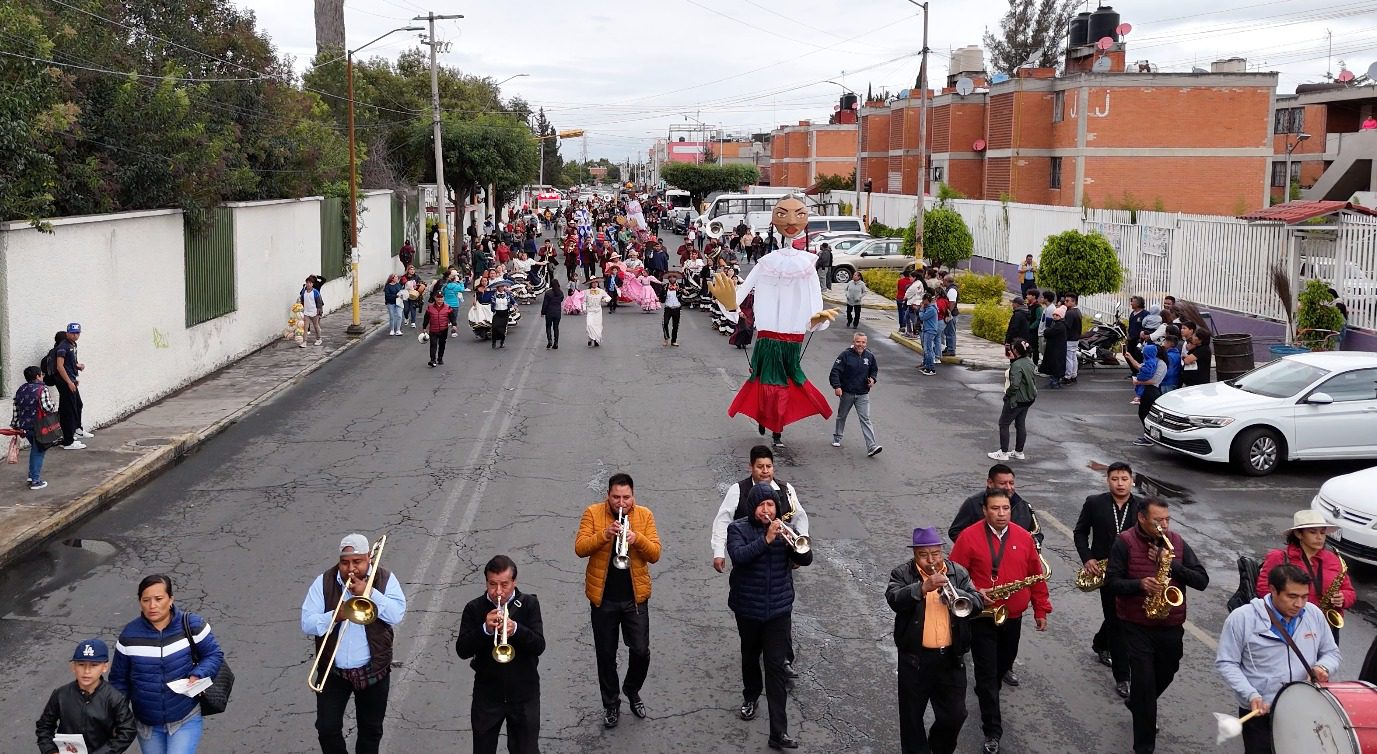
703 129
1291 147
922 126
356 327
855 208
509 78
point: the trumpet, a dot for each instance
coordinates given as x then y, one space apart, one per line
350 609
1333 614
502 651
799 543
621 555
960 606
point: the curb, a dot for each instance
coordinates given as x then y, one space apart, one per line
917 347
141 470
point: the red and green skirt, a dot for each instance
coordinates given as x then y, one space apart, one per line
777 393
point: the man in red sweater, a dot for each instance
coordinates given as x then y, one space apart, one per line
999 552
904 282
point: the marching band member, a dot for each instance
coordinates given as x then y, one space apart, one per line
363 665
1153 643
999 552
619 595
1256 659
503 691
762 597
932 639
1305 548
1102 518
734 506
972 510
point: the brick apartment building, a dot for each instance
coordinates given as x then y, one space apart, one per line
801 155
1334 160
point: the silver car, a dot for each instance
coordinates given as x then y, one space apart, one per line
870 254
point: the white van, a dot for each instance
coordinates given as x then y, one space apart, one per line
726 211
834 224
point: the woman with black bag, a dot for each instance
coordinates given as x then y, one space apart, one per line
165 644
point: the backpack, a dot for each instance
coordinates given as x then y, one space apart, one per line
48 365
1248 570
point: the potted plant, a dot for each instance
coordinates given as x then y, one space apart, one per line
1318 321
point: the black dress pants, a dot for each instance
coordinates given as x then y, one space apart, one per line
993 650
522 719
671 315
853 315
370 707
68 411
632 621
1110 636
552 330
437 345
937 677
1154 656
1257 734
770 638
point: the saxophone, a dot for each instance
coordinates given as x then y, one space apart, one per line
1158 605
1333 614
1001 592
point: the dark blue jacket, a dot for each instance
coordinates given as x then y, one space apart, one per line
146 659
762 578
851 370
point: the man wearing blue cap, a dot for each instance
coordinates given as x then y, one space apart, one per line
87 707
68 368
932 636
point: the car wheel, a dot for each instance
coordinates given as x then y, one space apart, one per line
1258 451
841 275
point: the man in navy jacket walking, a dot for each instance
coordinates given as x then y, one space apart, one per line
853 374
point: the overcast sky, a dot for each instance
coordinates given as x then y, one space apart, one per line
626 71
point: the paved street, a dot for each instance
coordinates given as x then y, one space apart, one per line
499 451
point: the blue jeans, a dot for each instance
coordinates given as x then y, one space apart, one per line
951 337
394 318
903 314
409 311
36 454
184 741
932 343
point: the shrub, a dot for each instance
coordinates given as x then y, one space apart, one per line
946 239
880 230
991 320
976 289
1317 312
883 282
1080 263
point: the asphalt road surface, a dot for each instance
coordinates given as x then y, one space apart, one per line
500 451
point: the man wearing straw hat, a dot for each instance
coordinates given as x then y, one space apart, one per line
932 639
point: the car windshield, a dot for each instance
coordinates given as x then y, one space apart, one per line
1282 378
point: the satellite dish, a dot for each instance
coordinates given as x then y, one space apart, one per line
1000 78
1345 76
1198 69
978 145
964 86
1372 72
903 94
1105 43
1101 64
1123 29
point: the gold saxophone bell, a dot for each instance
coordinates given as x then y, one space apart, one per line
350 609
999 613
1333 614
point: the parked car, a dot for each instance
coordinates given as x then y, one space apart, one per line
1346 502
1310 406
875 253
837 241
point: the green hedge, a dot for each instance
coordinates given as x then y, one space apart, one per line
883 282
991 320
976 288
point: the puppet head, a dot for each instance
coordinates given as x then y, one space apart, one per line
790 216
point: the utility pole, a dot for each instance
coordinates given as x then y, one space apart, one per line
441 192
922 124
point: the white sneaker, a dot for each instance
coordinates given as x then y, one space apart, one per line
836 445
1017 455
413 325
82 433
76 445
302 344
318 342
999 455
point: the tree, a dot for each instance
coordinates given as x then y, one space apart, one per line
1033 31
946 239
33 113
488 149
701 180
837 182
554 164
1079 263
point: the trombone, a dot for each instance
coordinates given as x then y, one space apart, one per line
349 609
502 650
621 555
799 543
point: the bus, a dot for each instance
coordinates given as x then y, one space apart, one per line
725 211
678 198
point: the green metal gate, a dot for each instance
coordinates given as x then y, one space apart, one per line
334 240
210 273
398 223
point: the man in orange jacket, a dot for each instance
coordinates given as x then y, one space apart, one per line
619 590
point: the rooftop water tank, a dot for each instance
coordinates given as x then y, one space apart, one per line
1080 30
1103 23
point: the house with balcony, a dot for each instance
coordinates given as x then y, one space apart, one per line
1319 141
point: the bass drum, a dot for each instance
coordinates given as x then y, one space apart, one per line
1331 718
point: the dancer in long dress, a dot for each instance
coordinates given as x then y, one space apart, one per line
787 306
593 299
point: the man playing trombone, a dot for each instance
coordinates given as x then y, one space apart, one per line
933 600
335 603
501 632
620 541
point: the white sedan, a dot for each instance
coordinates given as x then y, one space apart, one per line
1346 502
1311 406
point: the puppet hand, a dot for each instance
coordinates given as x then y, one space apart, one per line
723 288
826 315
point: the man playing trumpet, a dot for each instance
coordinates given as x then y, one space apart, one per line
933 600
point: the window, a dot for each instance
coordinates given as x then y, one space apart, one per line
1358 385
1279 173
1058 106
1054 177
815 226
1289 120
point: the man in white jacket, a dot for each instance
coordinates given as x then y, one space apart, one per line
1255 659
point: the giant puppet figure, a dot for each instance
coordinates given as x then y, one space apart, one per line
788 305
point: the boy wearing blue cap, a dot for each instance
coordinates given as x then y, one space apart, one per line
88 707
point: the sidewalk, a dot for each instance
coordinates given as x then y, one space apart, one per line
126 454
970 350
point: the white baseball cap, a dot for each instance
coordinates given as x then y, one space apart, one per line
356 542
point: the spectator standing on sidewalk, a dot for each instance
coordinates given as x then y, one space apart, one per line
1195 365
824 265
1018 322
1149 378
931 334
1035 313
1055 348
855 295
29 399
913 299
312 307
952 294
1073 337
393 295
900 300
853 374
68 367
1027 274
1019 396
1137 312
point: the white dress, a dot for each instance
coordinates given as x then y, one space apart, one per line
593 300
787 291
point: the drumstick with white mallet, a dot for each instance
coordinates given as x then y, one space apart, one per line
1230 726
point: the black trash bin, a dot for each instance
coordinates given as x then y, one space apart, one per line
1233 355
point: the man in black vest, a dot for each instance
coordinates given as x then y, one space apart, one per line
1103 517
503 692
363 664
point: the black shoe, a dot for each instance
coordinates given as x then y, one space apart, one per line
747 710
637 706
1121 688
783 742
761 429
789 671
777 439
1010 679
555 346
611 716
992 746
548 345
430 364
1106 659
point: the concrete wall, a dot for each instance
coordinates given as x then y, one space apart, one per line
122 276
